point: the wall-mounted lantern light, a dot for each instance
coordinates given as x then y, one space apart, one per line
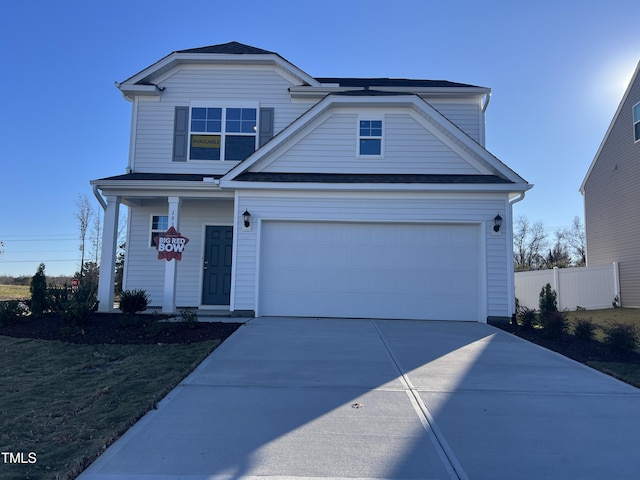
246 216
497 223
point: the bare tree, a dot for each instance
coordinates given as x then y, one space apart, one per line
559 255
83 214
529 243
576 239
96 236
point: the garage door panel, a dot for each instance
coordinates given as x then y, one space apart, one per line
369 270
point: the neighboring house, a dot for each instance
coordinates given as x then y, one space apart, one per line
312 197
611 191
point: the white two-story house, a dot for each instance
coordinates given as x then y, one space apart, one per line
309 197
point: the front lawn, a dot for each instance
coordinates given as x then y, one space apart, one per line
64 403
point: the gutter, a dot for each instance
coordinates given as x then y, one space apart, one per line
99 197
517 199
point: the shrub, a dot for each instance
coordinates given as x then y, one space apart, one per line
57 298
527 317
584 328
189 316
621 337
554 324
79 307
11 311
133 301
548 302
38 289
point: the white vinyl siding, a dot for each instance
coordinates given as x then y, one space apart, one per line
153 132
331 147
476 209
466 115
145 271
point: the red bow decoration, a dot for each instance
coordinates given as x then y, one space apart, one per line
170 244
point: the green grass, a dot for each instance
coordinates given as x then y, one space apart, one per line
67 403
14 292
623 371
602 318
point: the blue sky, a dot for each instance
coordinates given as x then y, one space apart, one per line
558 70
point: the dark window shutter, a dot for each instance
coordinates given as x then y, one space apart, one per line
266 126
180 134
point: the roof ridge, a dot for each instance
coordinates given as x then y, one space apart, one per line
231 48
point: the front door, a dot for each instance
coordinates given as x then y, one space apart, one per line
216 285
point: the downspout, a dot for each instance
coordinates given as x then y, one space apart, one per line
487 97
517 199
99 197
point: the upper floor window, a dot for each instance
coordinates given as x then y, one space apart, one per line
222 133
636 122
370 138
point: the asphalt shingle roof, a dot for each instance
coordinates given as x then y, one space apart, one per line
391 82
231 48
367 178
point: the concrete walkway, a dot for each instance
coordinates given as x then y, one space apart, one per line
330 398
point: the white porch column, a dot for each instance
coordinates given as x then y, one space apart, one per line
169 297
108 254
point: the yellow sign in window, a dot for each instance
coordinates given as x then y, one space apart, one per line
205 141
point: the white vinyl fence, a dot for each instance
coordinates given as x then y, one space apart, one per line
585 287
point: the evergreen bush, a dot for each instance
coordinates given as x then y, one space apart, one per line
133 301
79 307
554 324
38 289
527 317
548 302
621 337
584 328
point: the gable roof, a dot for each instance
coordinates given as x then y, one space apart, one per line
495 172
145 81
635 78
231 48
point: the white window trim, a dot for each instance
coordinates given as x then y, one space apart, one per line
224 105
363 117
635 122
152 231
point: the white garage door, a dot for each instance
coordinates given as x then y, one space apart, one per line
364 270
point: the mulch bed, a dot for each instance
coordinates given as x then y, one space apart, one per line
582 351
116 328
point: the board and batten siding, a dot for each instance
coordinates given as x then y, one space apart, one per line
145 271
373 208
153 132
612 202
332 147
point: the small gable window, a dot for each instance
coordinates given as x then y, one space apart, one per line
159 224
370 138
636 122
222 133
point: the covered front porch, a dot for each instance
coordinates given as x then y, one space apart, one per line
198 274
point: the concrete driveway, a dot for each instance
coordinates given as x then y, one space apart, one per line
331 398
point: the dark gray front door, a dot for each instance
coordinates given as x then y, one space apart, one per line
216 285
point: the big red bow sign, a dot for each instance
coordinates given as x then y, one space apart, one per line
170 244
